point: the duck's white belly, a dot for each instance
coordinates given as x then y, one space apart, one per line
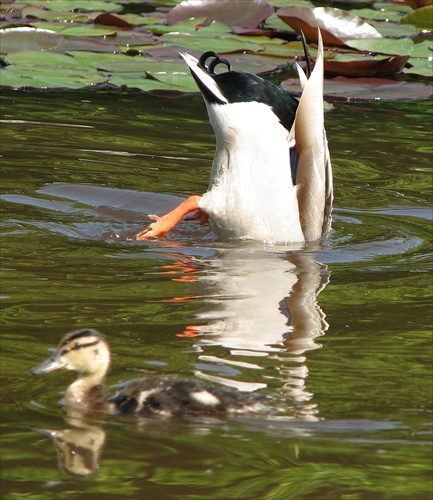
251 193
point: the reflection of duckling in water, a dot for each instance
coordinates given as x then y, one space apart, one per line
87 352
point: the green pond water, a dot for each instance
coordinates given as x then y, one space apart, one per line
340 334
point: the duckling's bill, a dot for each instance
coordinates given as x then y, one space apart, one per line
49 365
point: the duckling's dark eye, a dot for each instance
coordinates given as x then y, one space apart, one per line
212 65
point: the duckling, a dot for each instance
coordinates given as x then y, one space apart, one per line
87 352
271 177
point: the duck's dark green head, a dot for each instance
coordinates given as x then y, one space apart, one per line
237 86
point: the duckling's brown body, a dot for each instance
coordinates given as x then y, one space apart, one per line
87 352
169 396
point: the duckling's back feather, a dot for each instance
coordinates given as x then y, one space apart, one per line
172 397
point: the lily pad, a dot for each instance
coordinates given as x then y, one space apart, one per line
108 19
23 38
394 30
420 67
401 47
37 59
354 64
87 31
217 44
51 77
97 44
230 12
367 89
84 43
421 18
84 5
336 25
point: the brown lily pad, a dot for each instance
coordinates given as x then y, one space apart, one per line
108 19
367 89
373 66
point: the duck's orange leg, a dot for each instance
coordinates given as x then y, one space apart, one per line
166 222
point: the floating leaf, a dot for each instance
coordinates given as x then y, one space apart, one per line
401 47
134 38
394 30
48 77
23 38
244 13
421 18
364 65
367 89
336 25
77 5
79 43
34 11
39 59
69 46
217 44
420 67
416 4
108 19
85 31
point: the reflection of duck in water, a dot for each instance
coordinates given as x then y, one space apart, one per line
271 178
87 352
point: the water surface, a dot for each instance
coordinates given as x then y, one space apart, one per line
341 334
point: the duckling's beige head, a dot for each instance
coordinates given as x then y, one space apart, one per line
85 351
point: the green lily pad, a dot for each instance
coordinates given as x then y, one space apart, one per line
423 49
420 67
181 81
85 31
85 5
421 18
110 62
400 47
34 58
289 50
388 29
48 78
383 14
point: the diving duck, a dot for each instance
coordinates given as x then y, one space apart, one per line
87 352
271 177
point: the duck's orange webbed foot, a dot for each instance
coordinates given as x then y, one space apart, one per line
166 222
